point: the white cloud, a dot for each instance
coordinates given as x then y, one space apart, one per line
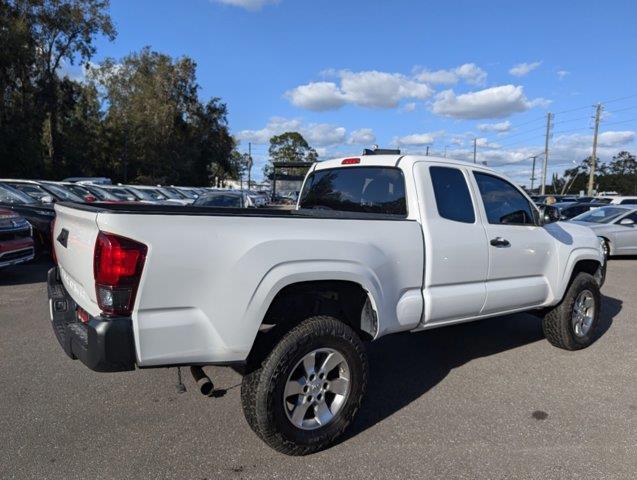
522 69
316 134
499 127
495 102
605 139
562 73
614 139
366 89
362 136
469 72
323 134
381 89
409 107
317 96
482 142
417 139
252 5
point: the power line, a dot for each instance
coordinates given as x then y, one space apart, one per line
623 109
621 121
618 99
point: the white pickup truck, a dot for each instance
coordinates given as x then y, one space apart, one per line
378 244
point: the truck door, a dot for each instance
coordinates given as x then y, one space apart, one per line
520 252
456 254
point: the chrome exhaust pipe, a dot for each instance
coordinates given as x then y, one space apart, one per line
202 380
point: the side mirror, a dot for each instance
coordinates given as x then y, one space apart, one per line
90 198
47 199
549 214
627 221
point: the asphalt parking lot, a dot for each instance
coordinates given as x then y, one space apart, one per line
489 400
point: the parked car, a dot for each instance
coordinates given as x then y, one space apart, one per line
145 193
43 191
176 194
621 200
616 225
188 193
100 193
16 239
225 198
569 210
377 245
37 214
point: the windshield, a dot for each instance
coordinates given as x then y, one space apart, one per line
62 193
171 193
187 193
12 195
601 215
100 193
121 193
148 193
219 200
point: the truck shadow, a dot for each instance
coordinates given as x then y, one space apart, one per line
406 366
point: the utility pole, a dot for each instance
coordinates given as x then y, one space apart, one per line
427 152
475 148
533 173
591 177
249 164
549 125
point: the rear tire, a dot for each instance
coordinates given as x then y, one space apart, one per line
571 324
324 361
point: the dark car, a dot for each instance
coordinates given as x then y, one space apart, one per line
569 210
39 215
16 239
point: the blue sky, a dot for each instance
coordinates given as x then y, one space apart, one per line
348 74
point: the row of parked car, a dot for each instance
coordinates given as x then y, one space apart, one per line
612 218
27 213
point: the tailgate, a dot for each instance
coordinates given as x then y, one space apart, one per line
74 237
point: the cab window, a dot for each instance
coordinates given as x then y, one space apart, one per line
503 203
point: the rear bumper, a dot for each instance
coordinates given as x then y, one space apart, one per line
15 257
102 344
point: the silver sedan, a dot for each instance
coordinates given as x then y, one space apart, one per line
616 225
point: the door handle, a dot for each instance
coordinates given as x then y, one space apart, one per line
500 242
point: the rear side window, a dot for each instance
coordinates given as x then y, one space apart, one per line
629 201
503 202
452 194
356 189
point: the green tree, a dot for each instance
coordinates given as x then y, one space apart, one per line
38 38
621 174
158 129
289 147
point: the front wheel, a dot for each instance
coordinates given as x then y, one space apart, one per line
309 388
571 325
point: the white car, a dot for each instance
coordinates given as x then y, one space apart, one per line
378 244
619 200
616 225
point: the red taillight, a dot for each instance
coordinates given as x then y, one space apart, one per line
117 268
351 161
